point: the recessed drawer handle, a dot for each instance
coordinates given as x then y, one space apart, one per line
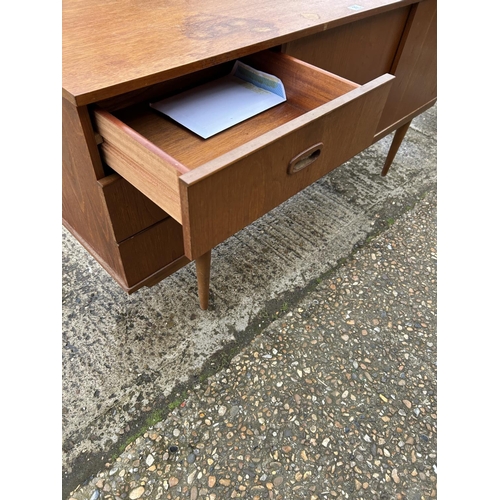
305 158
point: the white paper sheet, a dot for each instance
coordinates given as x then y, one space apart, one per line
222 103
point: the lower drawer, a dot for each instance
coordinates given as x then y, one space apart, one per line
215 187
129 210
157 251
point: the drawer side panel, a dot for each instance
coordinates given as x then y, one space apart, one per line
144 165
161 189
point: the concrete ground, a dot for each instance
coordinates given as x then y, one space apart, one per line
342 273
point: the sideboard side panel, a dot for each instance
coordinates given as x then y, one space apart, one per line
83 208
402 42
415 67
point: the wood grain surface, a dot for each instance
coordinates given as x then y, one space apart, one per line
112 47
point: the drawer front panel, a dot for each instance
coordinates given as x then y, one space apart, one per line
234 190
129 210
150 250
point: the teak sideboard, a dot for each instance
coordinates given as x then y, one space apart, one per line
144 195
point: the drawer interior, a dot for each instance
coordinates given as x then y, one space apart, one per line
306 87
214 187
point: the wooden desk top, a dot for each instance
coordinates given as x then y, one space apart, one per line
114 46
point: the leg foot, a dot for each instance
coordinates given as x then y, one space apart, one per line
396 142
203 275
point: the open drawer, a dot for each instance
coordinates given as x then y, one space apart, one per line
214 187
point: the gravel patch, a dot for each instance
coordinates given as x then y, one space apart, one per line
335 399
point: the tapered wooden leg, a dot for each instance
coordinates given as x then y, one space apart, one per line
396 142
203 276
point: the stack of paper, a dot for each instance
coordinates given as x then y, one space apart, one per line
222 103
